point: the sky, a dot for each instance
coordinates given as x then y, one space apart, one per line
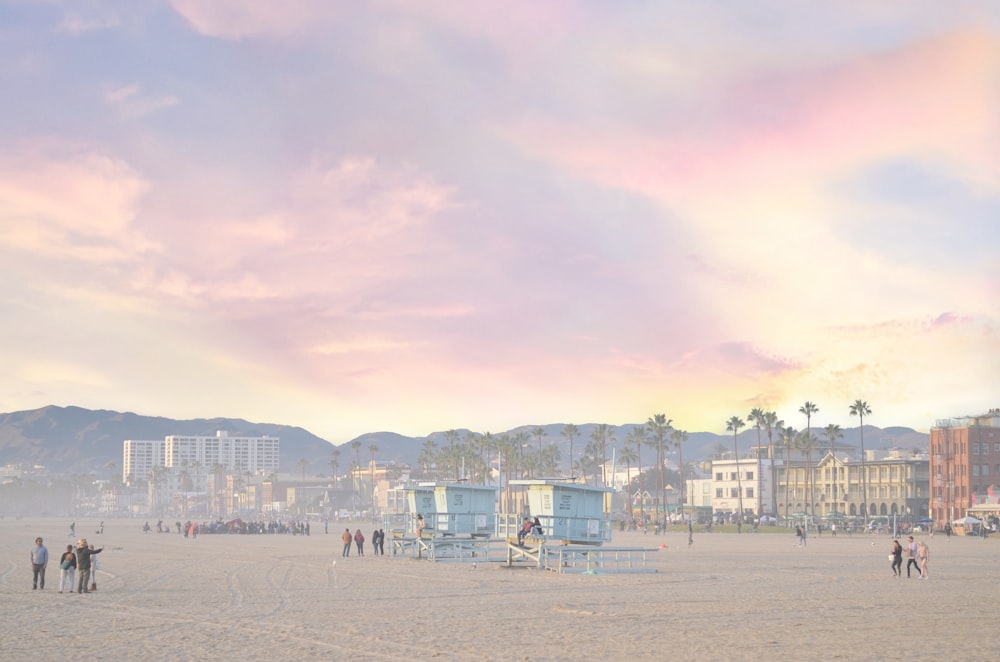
418 216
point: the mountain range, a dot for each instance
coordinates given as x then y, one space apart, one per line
67 440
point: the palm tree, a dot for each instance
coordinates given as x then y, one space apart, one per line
356 445
679 437
628 456
659 426
832 434
809 409
570 431
806 442
218 471
372 448
771 422
757 417
487 444
522 439
550 459
428 450
451 436
335 464
599 436
787 436
505 458
638 437
539 433
860 409
733 425
469 452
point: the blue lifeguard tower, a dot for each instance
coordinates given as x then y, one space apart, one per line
462 509
456 522
569 512
575 526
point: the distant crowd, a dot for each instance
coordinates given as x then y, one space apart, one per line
236 526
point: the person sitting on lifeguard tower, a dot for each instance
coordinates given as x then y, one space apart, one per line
526 527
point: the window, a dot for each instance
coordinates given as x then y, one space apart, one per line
718 492
996 448
718 475
732 475
749 475
750 492
734 492
986 470
975 449
975 470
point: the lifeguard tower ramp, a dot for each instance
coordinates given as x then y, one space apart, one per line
574 530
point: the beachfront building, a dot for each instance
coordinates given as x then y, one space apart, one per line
888 483
964 465
698 494
256 455
746 477
246 454
139 457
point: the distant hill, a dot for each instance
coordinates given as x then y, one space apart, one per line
76 440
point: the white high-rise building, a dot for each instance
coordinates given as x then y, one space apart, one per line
244 454
234 454
138 457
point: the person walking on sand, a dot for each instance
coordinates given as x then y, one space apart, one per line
911 556
897 558
72 530
359 540
39 561
381 542
923 556
346 538
67 569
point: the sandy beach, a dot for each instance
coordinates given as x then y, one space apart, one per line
727 597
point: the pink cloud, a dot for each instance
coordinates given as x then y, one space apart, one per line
71 201
758 130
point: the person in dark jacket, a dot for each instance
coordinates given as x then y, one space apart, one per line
83 565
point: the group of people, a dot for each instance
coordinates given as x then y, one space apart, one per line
528 527
917 554
80 560
378 542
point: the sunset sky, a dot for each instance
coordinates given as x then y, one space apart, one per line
417 216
